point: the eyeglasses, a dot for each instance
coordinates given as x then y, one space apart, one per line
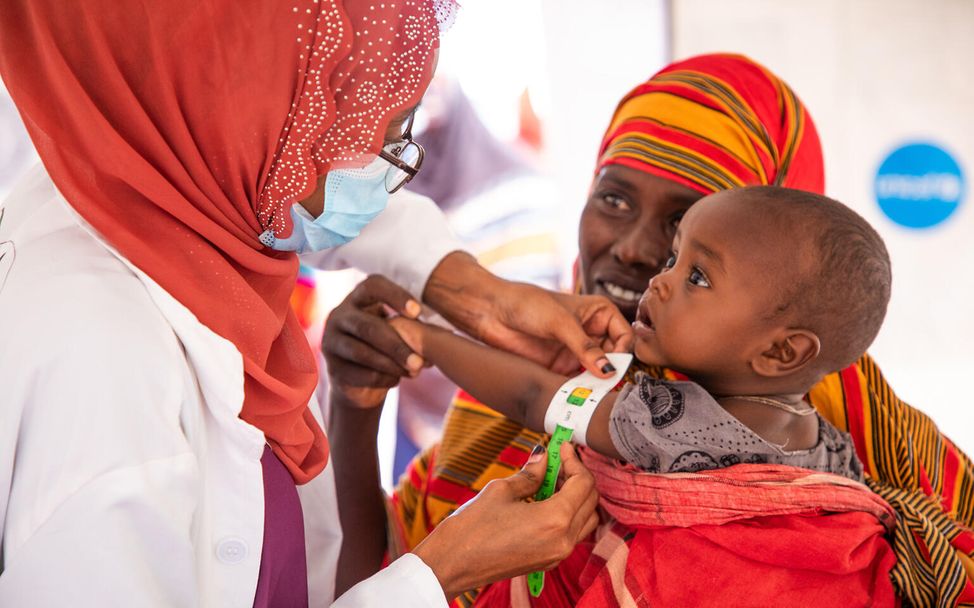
406 157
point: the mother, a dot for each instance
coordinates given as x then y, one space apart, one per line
698 126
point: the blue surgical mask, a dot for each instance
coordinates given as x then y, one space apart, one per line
353 198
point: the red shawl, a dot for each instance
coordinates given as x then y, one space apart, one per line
748 535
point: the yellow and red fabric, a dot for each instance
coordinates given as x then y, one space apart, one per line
747 126
920 472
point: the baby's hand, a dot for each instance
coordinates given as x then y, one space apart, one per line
411 332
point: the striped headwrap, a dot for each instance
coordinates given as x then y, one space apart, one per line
715 122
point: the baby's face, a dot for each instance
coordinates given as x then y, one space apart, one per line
706 314
626 231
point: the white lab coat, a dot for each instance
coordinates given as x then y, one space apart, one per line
126 476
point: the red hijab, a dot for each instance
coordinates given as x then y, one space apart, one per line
182 129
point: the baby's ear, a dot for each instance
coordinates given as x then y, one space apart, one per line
791 351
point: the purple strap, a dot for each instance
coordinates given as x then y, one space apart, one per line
283 578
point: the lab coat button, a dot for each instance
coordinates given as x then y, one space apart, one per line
231 550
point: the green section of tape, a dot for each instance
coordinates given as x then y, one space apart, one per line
576 400
536 583
560 436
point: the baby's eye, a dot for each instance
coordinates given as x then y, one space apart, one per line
698 278
670 262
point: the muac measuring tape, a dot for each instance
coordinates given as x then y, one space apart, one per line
568 416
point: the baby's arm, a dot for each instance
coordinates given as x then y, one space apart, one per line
516 387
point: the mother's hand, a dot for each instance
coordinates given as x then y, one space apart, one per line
499 535
365 355
555 330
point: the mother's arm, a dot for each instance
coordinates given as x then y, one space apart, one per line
558 331
412 243
364 359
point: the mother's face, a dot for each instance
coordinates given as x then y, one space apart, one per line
626 230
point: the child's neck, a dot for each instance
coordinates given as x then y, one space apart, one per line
778 419
779 423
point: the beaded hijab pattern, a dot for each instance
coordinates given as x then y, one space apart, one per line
362 63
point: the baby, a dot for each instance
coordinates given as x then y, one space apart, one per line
767 291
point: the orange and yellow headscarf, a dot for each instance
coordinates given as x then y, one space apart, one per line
714 122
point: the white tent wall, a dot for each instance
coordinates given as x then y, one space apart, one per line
596 52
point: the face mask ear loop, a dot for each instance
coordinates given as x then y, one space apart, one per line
267 238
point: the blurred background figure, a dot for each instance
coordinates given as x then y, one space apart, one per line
500 206
497 200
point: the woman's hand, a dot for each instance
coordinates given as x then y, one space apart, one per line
365 356
599 318
555 330
500 535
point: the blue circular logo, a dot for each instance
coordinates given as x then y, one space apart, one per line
919 185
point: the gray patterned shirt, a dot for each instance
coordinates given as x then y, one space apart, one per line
676 427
